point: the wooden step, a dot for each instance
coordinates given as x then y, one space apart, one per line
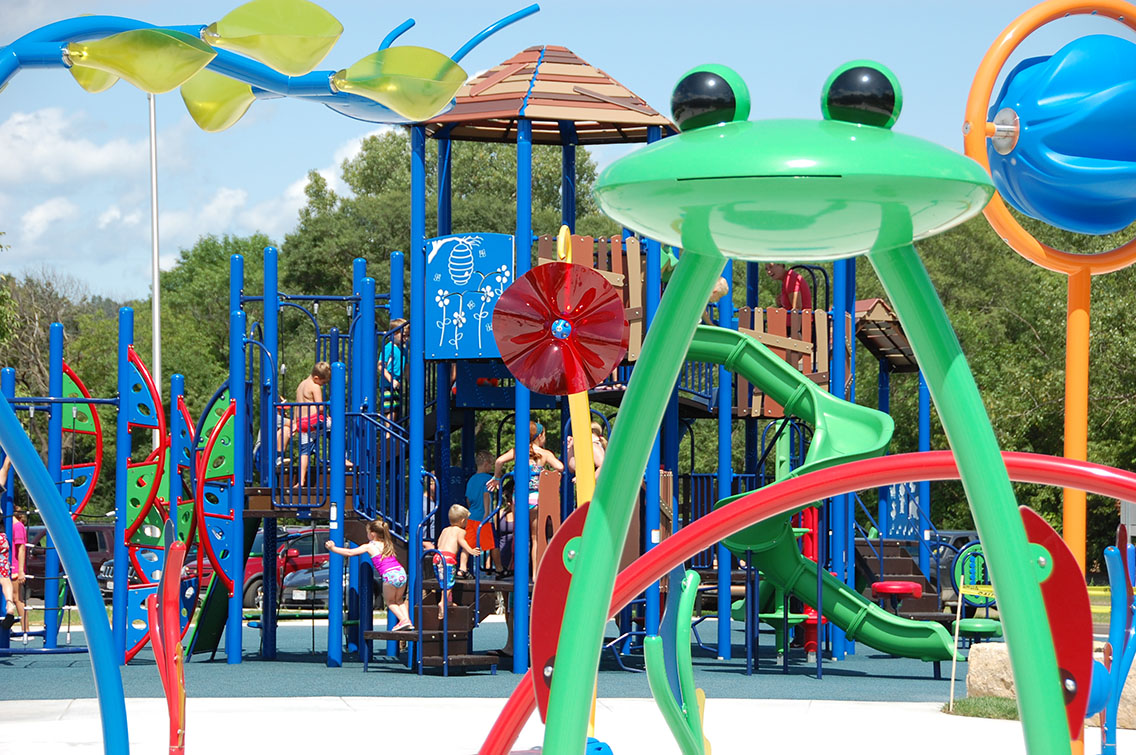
464 660
412 635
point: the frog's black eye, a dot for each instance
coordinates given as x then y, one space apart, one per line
707 95
862 91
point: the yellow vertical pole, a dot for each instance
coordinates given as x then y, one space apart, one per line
1076 406
581 416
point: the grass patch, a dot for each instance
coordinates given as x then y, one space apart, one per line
1005 708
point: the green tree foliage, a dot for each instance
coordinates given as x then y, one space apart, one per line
374 218
1009 314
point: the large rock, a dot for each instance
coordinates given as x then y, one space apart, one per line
988 675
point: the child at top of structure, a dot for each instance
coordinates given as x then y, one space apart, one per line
599 449
311 420
478 499
795 292
450 540
540 459
391 362
380 547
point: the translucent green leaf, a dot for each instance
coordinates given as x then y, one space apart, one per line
92 80
291 36
415 82
214 101
154 60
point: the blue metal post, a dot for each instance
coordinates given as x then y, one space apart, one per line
850 395
838 377
725 469
338 504
416 365
270 453
122 456
7 507
651 521
234 623
52 582
521 412
445 189
358 273
104 654
568 176
396 278
442 378
178 444
924 486
8 389
368 364
442 433
883 403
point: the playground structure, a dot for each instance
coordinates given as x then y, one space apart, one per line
844 437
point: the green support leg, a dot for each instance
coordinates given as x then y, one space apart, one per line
617 490
1014 570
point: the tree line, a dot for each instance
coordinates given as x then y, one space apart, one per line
1008 313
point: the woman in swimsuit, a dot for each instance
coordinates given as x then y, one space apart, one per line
540 458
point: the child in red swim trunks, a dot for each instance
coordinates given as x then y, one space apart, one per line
450 541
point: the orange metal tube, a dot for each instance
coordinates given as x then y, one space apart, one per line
1076 406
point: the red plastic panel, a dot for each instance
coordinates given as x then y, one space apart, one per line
1122 546
549 594
1070 618
525 323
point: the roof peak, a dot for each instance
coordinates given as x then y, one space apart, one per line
568 100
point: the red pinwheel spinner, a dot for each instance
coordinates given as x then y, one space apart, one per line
560 328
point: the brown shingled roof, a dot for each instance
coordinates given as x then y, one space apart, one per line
546 85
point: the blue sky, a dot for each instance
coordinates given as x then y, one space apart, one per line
74 170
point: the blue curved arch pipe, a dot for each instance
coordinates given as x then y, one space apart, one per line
57 518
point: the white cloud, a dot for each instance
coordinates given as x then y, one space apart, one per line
46 145
114 215
35 222
181 228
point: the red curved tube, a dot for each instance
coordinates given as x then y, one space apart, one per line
798 491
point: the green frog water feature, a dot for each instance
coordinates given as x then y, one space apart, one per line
803 190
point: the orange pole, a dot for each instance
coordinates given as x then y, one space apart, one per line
1076 406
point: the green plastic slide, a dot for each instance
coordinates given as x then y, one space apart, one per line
775 553
205 635
842 432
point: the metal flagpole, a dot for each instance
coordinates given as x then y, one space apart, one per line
156 304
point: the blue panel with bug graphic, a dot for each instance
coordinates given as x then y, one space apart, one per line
140 409
465 276
1074 162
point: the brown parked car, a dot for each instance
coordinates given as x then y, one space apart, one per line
97 538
